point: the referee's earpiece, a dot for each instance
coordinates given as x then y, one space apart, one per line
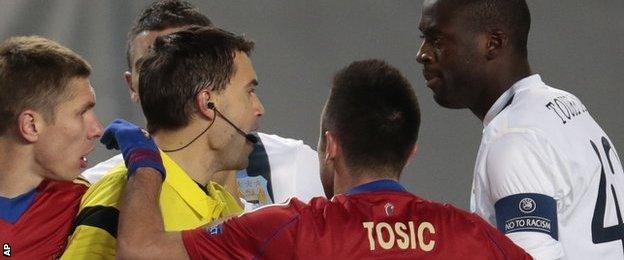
210 105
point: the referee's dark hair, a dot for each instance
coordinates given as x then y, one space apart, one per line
179 66
374 112
161 15
34 74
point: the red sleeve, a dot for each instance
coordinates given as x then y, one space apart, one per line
253 234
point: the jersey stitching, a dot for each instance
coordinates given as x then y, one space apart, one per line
266 243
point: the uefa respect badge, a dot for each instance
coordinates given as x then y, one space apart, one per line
527 212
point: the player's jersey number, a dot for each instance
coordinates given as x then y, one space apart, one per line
600 233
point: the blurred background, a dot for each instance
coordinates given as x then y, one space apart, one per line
575 45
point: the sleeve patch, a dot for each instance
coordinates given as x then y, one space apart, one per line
214 229
527 212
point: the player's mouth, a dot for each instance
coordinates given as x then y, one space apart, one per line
433 79
84 161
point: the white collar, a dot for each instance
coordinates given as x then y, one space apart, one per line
506 97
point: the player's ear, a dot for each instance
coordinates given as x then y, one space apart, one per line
201 102
497 40
134 93
29 125
413 153
332 147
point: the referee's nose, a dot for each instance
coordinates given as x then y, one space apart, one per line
258 107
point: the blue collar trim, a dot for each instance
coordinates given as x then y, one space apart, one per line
377 186
14 208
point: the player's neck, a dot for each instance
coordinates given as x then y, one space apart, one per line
18 174
502 79
346 180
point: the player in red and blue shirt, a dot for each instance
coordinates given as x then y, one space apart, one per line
35 225
369 129
377 219
48 128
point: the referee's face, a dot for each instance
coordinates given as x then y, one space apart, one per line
64 143
239 103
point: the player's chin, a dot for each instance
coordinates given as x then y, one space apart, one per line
68 174
446 102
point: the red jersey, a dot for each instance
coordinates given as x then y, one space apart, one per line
375 220
41 231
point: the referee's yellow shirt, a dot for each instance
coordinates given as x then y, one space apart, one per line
183 203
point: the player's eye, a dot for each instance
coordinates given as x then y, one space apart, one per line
436 41
84 111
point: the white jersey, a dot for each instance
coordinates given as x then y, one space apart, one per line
548 176
287 167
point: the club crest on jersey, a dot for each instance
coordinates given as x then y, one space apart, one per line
215 230
254 190
527 205
389 208
6 250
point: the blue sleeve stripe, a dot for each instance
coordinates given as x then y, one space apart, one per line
530 212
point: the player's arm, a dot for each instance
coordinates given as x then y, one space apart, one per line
142 234
524 173
141 230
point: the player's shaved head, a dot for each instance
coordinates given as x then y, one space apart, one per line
374 112
481 16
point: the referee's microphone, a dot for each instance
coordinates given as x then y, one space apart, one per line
251 138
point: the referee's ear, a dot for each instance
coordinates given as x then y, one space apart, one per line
201 102
28 125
